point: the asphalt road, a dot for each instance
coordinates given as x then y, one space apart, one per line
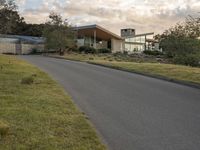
130 111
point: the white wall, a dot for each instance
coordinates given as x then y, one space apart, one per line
7 48
117 45
28 48
80 42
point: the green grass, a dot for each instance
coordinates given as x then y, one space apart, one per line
39 115
147 66
177 72
103 57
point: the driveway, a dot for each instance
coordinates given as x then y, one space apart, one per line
130 111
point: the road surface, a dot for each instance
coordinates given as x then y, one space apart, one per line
130 111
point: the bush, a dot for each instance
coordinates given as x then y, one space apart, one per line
189 60
4 128
154 53
27 80
87 49
117 54
104 50
73 49
34 51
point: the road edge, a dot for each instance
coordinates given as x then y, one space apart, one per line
186 83
181 82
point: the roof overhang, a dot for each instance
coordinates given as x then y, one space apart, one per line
139 35
101 32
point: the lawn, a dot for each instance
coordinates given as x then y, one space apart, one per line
36 113
140 65
170 71
104 57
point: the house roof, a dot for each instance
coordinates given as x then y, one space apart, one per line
29 39
138 35
100 32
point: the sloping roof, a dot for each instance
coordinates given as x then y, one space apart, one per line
93 27
29 39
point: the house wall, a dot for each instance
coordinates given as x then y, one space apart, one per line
80 42
28 48
117 45
8 48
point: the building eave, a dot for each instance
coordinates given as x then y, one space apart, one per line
100 28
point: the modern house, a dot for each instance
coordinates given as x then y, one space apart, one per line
137 43
99 37
15 44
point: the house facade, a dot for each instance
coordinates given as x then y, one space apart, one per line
137 43
99 37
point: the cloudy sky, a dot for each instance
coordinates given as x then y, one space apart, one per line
143 15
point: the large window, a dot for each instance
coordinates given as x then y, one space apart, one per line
139 39
134 47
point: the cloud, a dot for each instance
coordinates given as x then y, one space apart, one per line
143 15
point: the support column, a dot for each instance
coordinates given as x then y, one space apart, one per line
145 46
95 40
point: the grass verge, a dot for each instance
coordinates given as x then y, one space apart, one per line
36 113
148 67
168 71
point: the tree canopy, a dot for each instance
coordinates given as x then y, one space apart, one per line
181 41
10 20
58 34
12 23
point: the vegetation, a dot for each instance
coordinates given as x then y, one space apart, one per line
177 72
59 36
154 53
91 50
180 42
141 65
4 128
87 49
39 115
9 18
12 23
27 80
104 50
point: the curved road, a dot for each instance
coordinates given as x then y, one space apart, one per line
130 111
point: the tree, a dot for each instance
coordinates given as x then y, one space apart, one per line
10 20
55 19
59 36
181 42
31 29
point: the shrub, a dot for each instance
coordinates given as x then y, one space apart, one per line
104 50
154 53
87 49
125 52
27 80
119 54
91 58
4 128
189 60
73 49
34 51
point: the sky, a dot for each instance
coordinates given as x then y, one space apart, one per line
142 15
